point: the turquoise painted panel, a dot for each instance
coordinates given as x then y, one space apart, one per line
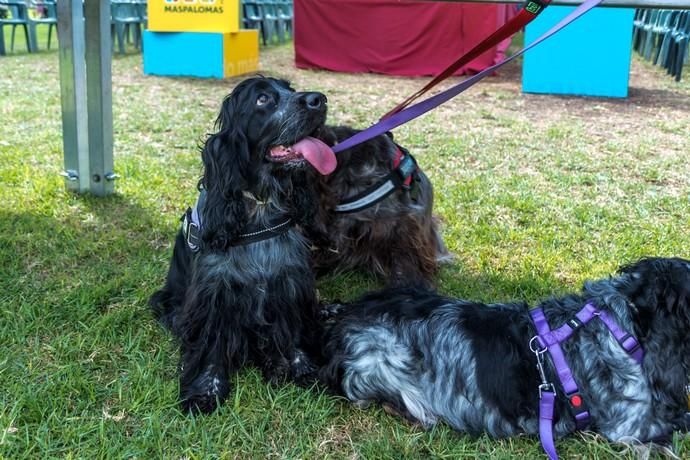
590 57
189 54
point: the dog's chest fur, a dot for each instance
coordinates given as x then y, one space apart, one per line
280 263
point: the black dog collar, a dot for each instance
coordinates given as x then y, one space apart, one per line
191 227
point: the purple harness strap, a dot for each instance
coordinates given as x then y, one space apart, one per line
550 340
428 104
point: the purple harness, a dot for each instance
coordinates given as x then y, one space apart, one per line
550 340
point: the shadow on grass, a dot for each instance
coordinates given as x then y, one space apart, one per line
99 252
658 99
91 254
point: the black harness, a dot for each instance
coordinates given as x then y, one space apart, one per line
405 171
192 224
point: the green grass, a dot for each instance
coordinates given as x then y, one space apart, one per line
536 194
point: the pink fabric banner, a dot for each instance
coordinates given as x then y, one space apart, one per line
394 37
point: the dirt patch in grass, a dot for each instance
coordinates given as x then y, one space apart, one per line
651 92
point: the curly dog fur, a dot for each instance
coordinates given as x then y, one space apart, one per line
431 358
396 238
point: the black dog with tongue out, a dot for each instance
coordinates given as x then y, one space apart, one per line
240 289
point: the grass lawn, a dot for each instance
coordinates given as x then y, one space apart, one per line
536 194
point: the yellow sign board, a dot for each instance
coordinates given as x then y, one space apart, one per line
222 16
240 53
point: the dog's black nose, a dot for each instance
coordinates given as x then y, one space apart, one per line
313 100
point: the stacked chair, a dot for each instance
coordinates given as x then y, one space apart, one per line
273 19
45 13
27 15
128 18
661 36
15 14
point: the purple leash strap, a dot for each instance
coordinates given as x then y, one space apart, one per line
431 103
547 401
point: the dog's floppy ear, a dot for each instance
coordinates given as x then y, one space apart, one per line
225 156
660 284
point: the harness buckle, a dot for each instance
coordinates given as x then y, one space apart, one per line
191 231
575 400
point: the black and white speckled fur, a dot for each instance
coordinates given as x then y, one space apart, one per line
396 238
432 358
253 303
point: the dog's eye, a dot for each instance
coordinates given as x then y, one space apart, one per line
262 100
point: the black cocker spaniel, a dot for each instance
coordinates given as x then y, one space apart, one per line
240 288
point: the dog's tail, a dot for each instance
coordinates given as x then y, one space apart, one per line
166 302
162 307
443 255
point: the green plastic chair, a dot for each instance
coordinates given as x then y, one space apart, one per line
285 17
638 23
125 16
678 51
648 35
661 57
19 17
270 21
45 14
253 19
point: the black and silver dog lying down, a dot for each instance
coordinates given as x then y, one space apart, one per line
431 358
240 288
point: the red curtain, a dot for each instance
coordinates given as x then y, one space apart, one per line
394 37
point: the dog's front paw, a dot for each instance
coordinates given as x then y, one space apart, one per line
200 404
276 370
205 392
302 370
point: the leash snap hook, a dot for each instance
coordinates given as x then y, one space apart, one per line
545 385
534 346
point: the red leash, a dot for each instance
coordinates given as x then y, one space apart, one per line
530 11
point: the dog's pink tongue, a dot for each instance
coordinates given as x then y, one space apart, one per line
317 153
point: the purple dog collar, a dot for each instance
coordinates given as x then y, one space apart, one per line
550 340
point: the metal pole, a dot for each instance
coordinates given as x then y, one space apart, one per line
86 90
73 94
660 4
99 96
